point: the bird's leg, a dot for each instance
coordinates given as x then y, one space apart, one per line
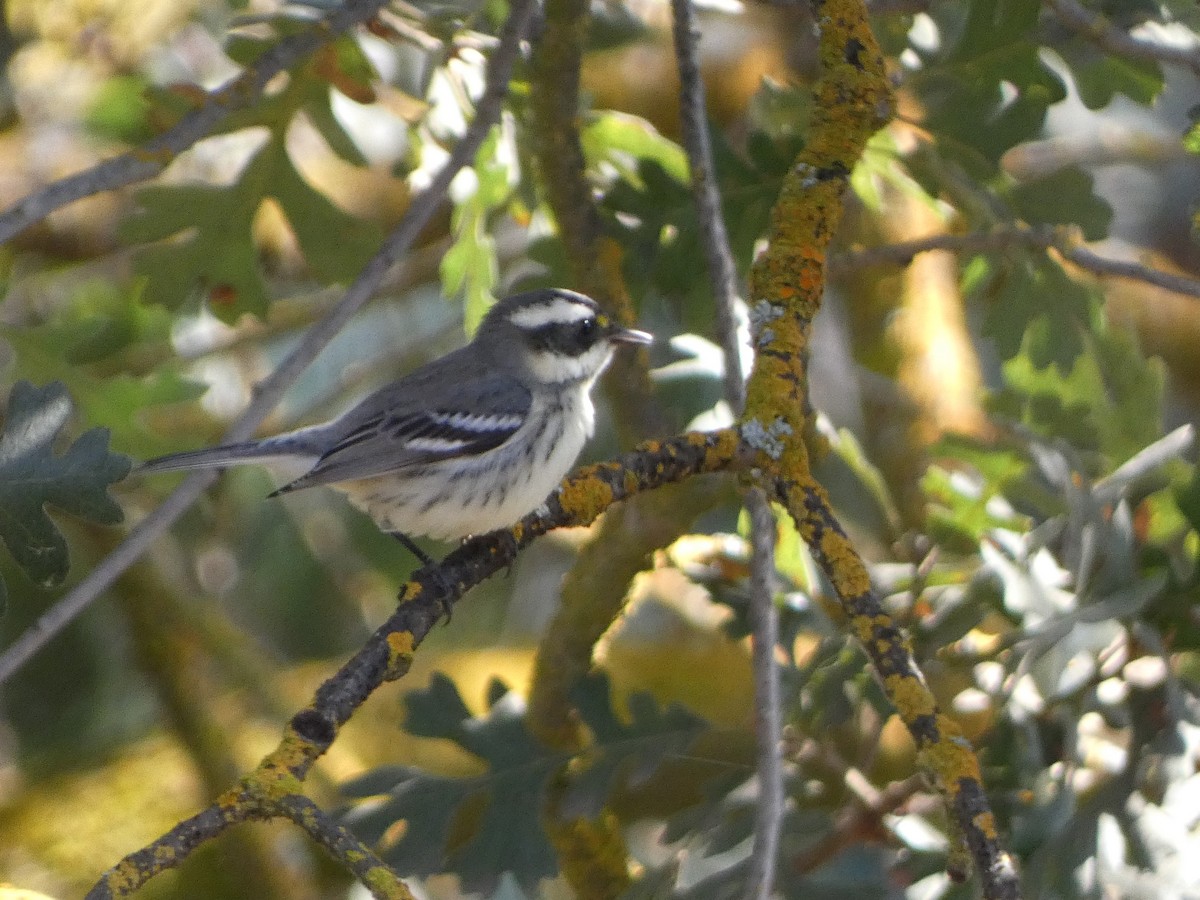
428 564
411 546
507 546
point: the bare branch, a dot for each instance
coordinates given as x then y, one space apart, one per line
721 268
152 157
764 616
768 710
1100 31
269 392
1064 241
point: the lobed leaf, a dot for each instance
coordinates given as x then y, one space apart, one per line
33 476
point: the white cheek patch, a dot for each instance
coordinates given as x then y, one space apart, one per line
553 368
559 311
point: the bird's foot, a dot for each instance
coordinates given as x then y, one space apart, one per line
432 571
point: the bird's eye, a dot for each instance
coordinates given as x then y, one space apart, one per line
586 329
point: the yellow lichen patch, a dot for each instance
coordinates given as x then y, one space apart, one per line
631 482
986 823
950 757
910 697
124 877
584 499
163 856
272 783
382 882
864 627
400 654
849 575
723 450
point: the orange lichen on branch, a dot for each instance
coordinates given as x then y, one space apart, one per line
852 101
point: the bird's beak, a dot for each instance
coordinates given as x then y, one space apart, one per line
631 336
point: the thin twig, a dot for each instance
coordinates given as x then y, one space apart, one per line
152 157
1100 31
721 268
764 616
340 842
269 392
1064 241
768 702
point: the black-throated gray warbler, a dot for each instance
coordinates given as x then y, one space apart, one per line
468 443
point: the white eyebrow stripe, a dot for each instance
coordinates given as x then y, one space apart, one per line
478 423
435 444
559 311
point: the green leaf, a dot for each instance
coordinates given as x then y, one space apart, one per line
212 248
1064 198
625 141
315 218
482 826
1101 76
1037 309
630 752
205 239
985 86
120 110
33 476
81 347
495 817
1109 400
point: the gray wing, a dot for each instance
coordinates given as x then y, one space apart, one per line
452 407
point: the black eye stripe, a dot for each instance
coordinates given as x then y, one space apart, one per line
566 338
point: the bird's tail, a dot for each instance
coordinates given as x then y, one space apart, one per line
298 445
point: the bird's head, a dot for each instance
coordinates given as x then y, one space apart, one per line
552 337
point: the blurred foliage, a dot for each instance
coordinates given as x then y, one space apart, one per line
1047 574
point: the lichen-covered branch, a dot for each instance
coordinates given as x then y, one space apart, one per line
942 749
374 873
851 102
387 655
592 853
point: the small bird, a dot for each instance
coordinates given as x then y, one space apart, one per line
468 443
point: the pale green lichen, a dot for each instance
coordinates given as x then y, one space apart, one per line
766 438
